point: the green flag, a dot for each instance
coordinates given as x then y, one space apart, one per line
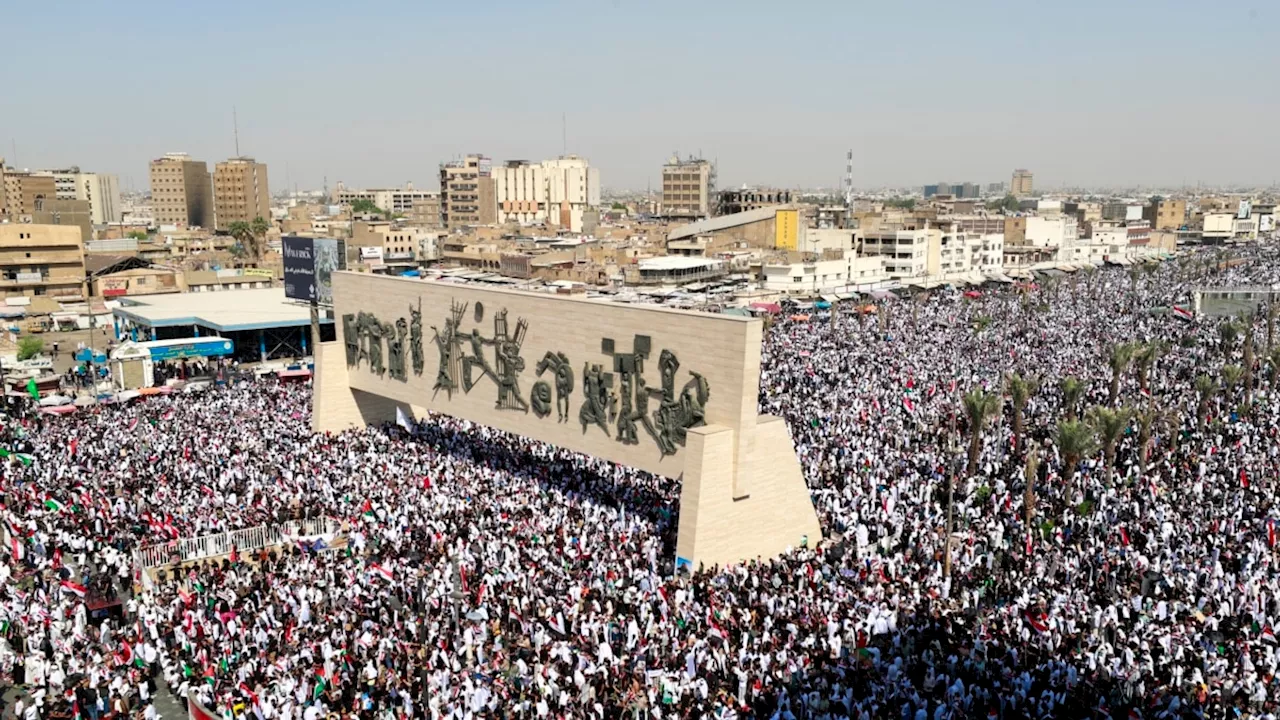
31 388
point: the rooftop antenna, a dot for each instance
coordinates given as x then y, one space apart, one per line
564 134
235 124
848 179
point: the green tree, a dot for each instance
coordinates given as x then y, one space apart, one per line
1248 361
243 235
979 407
1075 440
981 323
1118 360
1073 389
1146 422
1029 477
1273 360
29 347
1008 203
1206 388
1231 375
1109 425
138 234
1020 391
901 202
365 206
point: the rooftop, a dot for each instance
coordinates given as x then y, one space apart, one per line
223 311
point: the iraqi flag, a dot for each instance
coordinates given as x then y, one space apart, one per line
1268 636
910 406
1271 532
1037 621
74 588
1183 313
133 423
1244 479
1124 536
382 572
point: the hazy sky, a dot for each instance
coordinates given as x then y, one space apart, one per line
1116 92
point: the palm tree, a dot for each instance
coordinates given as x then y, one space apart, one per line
1248 360
1020 391
1075 441
1073 389
1144 358
1227 333
1110 426
1231 375
1118 360
1029 476
1206 388
1146 423
243 235
1274 373
259 229
1272 308
981 323
979 406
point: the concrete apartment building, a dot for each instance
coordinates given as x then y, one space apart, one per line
240 192
905 252
181 191
687 187
467 192
24 192
1166 214
1021 183
398 201
744 199
41 260
561 192
100 190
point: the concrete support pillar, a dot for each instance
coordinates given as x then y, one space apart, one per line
262 344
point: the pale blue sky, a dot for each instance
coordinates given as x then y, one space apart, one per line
1117 92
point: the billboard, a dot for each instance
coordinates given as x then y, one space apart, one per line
786 229
309 264
371 253
1266 223
1243 211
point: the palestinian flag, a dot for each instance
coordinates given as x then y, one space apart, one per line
382 572
367 509
54 505
76 588
322 683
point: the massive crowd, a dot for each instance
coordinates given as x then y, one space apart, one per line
479 575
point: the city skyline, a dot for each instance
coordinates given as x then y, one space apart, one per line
1086 98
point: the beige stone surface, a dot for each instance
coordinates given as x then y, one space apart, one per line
743 493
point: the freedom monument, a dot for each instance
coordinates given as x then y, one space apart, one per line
667 391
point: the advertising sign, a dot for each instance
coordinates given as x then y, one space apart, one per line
373 253
786 229
309 264
1266 223
259 272
1246 207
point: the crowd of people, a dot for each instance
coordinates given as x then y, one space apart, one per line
475 574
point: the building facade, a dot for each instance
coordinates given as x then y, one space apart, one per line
1021 183
181 191
467 192
1166 214
905 252
397 201
744 199
240 192
38 260
25 192
558 192
687 186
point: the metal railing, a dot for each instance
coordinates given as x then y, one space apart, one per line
206 546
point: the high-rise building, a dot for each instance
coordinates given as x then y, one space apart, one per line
745 199
687 186
101 191
1021 183
181 192
558 192
240 192
467 193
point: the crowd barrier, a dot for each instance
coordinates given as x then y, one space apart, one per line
206 546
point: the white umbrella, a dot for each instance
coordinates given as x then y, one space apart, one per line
55 401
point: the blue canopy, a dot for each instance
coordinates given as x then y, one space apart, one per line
82 355
410 273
